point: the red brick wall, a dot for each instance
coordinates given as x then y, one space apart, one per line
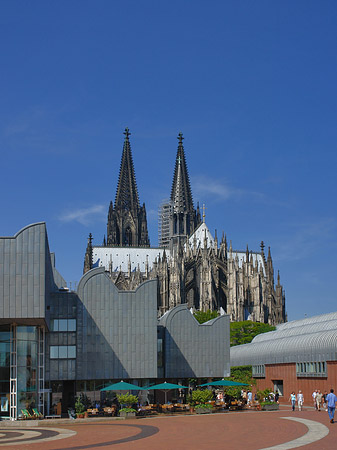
287 373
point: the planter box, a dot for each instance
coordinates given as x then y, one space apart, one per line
203 410
273 407
127 415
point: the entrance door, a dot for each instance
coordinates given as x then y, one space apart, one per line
68 396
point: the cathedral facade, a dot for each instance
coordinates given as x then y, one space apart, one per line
192 267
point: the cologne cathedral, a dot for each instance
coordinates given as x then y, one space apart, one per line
191 265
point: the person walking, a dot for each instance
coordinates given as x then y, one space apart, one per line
331 401
292 399
300 400
319 397
324 400
249 399
314 398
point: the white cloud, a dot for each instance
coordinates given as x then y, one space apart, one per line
85 216
220 190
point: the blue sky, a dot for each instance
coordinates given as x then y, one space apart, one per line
252 86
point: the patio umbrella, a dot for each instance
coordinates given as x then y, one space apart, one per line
165 387
224 383
122 386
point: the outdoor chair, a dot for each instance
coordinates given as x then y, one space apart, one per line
37 414
167 408
109 410
26 414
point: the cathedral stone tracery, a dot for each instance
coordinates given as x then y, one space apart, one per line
194 268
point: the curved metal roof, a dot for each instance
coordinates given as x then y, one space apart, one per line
313 339
330 323
308 321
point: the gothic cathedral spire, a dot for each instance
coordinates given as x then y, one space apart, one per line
127 192
127 223
181 194
183 217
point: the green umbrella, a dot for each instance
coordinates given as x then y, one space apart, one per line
224 383
122 386
165 387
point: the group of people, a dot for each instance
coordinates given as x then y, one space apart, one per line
325 400
299 399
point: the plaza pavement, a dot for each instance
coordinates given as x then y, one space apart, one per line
248 430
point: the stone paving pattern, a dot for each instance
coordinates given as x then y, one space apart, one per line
246 430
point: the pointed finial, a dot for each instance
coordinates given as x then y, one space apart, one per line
180 138
262 246
127 133
278 278
203 212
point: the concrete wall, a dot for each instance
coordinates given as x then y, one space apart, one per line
194 350
117 330
25 275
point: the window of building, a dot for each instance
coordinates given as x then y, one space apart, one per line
278 386
259 371
63 325
311 369
160 353
62 351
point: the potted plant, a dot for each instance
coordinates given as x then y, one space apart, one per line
269 406
79 408
201 398
191 403
126 401
265 403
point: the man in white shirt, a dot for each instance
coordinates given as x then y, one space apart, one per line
300 400
314 398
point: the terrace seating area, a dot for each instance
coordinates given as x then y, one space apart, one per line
30 414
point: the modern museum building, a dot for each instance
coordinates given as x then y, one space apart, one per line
56 343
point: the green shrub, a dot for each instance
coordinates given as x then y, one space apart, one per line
127 399
204 406
79 407
127 410
267 403
202 396
261 395
205 316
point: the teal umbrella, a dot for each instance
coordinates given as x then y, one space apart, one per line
122 386
165 387
224 383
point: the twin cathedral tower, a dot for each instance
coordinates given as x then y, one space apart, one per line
191 265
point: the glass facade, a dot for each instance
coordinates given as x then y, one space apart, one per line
62 351
63 325
27 367
4 370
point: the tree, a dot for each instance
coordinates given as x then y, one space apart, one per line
241 374
205 316
244 332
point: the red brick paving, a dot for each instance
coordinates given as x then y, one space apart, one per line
246 430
